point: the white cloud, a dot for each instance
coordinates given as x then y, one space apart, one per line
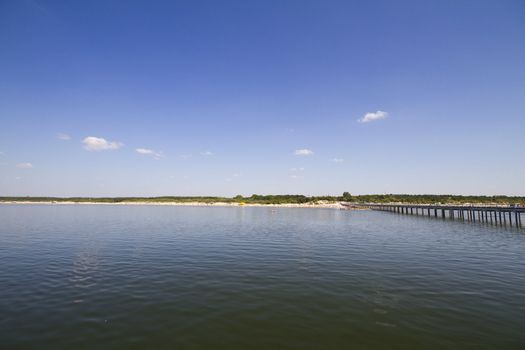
24 165
296 173
185 156
149 152
372 116
64 137
303 152
206 153
337 160
92 143
233 177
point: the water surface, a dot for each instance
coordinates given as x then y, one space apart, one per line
140 277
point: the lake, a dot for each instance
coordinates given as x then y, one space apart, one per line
159 277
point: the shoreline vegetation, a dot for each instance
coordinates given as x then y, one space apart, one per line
276 200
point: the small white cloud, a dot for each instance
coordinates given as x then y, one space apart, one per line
372 116
149 152
293 176
296 169
145 151
206 153
24 165
64 137
233 177
303 152
337 160
185 156
92 143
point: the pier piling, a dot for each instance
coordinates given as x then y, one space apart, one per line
494 215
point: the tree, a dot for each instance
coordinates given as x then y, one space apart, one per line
347 197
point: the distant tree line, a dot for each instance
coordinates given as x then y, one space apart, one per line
437 199
288 199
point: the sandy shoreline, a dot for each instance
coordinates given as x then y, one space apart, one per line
335 205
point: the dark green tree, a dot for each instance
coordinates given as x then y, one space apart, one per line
347 197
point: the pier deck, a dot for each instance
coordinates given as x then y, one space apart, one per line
495 215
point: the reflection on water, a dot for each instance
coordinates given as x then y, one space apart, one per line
258 278
84 268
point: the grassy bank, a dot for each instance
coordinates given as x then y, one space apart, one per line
285 199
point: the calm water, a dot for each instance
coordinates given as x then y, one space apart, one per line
144 277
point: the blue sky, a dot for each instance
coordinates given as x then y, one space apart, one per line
109 98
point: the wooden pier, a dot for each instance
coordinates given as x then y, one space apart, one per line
501 215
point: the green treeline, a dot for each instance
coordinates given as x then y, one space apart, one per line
288 199
437 199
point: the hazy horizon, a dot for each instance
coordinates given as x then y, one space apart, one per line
267 97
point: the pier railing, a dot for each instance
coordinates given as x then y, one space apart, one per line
496 215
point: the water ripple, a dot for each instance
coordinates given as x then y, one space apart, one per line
199 278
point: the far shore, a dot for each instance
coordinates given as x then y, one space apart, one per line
345 201
333 205
318 204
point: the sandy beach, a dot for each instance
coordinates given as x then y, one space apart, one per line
327 205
